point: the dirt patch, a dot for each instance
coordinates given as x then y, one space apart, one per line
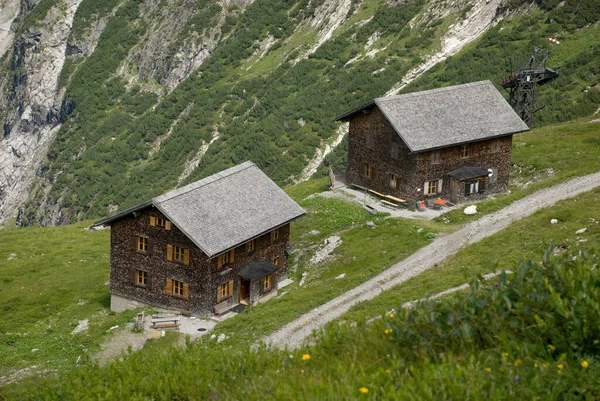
119 343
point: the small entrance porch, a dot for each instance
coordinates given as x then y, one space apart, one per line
257 282
467 182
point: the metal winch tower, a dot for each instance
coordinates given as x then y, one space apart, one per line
521 85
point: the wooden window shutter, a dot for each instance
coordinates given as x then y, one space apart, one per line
481 185
167 225
467 188
133 276
152 221
134 242
219 262
372 175
186 257
219 294
230 288
426 188
232 256
186 291
148 280
363 168
397 182
150 245
440 182
169 252
169 287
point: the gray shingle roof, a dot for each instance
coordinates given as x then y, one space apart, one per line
448 116
226 209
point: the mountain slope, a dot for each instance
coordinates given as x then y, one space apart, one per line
155 94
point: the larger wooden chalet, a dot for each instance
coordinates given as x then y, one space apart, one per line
203 248
453 143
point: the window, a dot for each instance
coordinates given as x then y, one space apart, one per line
367 170
393 181
276 261
160 222
465 150
267 281
275 235
435 157
495 146
225 258
177 288
474 187
178 254
369 141
141 277
224 291
142 244
432 187
251 246
394 151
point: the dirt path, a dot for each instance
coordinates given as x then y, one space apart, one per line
294 333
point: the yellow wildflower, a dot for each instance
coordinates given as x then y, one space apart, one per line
387 331
391 315
388 371
585 364
506 354
544 365
501 368
305 357
535 366
560 366
363 390
518 362
552 347
489 370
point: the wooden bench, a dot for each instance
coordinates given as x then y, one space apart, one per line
377 193
166 326
165 323
389 204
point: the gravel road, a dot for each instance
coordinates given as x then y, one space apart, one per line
294 333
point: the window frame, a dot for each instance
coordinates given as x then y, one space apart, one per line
393 181
267 282
479 186
432 184
142 244
251 246
435 157
275 261
369 141
275 234
223 293
465 150
368 170
141 278
178 254
177 288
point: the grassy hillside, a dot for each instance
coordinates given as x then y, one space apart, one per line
274 109
57 276
529 335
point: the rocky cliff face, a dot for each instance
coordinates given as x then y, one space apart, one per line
30 99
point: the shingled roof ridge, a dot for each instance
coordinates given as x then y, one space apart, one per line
202 183
430 91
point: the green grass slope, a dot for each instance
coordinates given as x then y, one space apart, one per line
54 277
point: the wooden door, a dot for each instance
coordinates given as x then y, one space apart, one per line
244 290
454 187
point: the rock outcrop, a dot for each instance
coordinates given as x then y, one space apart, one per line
32 104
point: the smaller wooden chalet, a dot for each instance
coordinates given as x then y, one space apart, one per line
453 143
203 248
